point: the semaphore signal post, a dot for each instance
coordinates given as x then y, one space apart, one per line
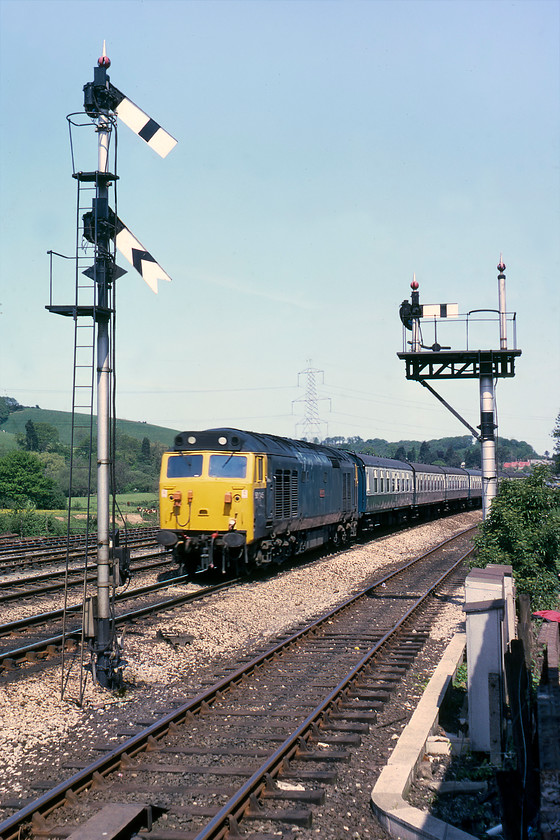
434 361
100 233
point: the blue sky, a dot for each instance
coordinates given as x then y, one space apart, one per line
327 151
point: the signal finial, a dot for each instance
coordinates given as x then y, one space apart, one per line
501 265
104 60
414 285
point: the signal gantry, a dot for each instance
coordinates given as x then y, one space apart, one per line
426 361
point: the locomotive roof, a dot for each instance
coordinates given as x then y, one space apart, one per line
435 468
236 440
374 461
388 463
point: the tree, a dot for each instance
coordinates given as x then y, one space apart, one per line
47 437
452 458
523 530
31 439
473 457
7 406
54 467
39 437
146 450
425 454
23 482
400 454
556 436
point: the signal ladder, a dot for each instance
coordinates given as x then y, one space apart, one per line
85 313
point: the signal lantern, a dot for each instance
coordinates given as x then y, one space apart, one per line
405 313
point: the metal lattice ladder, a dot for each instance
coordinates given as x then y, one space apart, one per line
83 313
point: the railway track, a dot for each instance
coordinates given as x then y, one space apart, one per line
32 651
40 551
33 586
45 651
262 741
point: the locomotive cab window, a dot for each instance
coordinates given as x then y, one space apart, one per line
228 466
184 466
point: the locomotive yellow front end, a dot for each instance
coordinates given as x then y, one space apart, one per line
207 503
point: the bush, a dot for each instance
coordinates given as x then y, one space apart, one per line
523 530
29 522
23 482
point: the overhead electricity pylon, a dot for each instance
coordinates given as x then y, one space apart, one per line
311 425
100 233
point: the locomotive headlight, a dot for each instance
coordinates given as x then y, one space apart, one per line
222 440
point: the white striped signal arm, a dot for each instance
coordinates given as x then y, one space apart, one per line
144 126
133 250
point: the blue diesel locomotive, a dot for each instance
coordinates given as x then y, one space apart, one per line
231 499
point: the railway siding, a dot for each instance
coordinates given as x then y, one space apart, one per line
168 673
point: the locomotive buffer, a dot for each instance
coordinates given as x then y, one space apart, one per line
424 362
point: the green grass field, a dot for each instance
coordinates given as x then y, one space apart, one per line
54 522
124 501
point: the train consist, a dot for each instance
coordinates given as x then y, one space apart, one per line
231 499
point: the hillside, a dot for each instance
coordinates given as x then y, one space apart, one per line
61 420
452 450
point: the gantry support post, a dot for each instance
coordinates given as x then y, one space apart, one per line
487 438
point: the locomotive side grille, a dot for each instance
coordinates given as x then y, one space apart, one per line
294 494
285 494
346 492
